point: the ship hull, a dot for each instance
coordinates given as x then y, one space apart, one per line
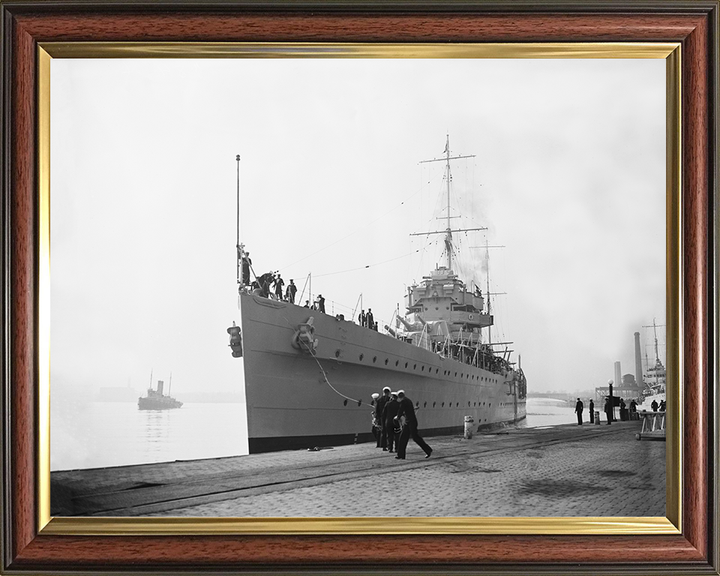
298 400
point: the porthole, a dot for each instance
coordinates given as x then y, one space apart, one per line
424 404
361 357
442 405
359 402
374 359
437 370
397 362
417 404
457 404
414 366
474 403
386 361
434 404
468 404
422 369
455 374
337 353
344 402
406 364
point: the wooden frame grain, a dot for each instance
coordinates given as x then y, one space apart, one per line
27 23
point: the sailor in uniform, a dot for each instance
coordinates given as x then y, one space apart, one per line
410 429
380 407
391 410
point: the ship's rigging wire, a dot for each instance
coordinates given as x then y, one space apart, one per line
367 265
363 229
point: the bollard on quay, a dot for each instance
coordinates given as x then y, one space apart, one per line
468 427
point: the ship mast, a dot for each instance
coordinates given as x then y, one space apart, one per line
238 246
448 178
487 287
657 353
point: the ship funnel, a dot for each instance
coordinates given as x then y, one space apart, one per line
160 387
638 362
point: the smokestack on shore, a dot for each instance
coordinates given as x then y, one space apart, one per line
638 362
618 376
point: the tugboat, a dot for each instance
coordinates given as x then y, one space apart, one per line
156 400
310 376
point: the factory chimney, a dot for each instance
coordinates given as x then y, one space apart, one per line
618 376
638 363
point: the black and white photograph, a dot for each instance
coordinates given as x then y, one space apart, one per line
358 287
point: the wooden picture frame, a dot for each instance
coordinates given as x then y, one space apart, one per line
29 546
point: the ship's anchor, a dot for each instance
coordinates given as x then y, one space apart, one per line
304 337
235 340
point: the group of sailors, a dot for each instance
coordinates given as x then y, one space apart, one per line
367 320
480 355
395 422
626 412
270 284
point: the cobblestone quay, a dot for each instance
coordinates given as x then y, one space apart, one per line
568 470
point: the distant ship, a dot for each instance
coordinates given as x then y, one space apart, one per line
156 400
655 379
309 376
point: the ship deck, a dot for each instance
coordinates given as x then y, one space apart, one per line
567 470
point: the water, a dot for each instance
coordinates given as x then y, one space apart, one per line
100 434
551 412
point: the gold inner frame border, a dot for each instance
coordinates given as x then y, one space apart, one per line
104 526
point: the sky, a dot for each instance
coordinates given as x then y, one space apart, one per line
567 174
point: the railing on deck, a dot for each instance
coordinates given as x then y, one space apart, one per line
653 425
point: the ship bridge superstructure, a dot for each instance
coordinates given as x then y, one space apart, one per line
443 297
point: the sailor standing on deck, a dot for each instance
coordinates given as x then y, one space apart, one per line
279 283
290 292
369 319
379 409
579 410
246 263
410 430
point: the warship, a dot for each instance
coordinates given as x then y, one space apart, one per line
309 376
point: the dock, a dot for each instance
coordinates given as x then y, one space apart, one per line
566 470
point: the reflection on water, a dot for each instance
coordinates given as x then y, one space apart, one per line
99 434
551 412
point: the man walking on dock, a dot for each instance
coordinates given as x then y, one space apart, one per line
410 430
592 412
579 410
